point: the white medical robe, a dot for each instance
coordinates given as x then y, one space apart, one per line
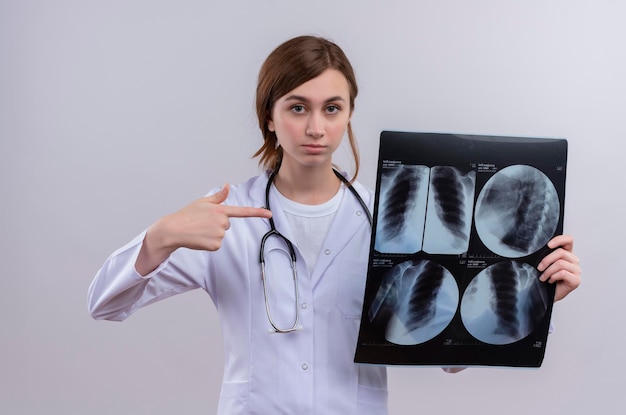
310 371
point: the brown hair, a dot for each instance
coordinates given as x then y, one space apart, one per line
291 64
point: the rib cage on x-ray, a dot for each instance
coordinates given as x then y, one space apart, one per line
504 303
450 208
402 207
406 225
517 211
415 302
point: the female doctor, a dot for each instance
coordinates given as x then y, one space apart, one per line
289 337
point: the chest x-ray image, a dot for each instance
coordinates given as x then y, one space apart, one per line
450 207
517 211
415 302
424 208
403 195
460 223
504 303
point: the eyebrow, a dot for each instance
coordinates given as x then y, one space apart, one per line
304 99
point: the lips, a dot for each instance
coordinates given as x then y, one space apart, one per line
314 148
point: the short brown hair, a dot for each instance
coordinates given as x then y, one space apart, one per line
291 64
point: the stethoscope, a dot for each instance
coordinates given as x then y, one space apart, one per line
292 253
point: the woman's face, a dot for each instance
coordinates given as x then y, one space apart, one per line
311 120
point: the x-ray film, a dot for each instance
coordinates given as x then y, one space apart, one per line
460 224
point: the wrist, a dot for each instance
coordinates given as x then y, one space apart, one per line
155 249
159 238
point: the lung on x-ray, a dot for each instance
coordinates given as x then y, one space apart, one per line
460 224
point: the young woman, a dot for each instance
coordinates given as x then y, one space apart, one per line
289 343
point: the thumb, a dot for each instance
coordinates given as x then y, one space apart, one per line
221 195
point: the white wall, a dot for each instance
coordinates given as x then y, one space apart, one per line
114 113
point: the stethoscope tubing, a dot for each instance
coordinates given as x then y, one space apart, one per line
292 254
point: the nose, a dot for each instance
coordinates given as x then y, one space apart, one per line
315 126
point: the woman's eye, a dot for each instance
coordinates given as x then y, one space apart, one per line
298 109
331 109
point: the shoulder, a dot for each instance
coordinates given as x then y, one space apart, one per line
365 193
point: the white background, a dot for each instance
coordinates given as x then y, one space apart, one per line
114 113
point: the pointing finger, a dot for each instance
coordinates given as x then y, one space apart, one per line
237 211
247 212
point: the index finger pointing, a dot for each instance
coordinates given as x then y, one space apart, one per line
247 212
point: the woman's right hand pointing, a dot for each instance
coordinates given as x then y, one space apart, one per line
200 225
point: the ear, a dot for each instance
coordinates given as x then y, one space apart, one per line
270 125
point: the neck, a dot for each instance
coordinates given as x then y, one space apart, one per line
309 186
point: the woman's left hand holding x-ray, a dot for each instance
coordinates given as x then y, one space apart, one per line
561 266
